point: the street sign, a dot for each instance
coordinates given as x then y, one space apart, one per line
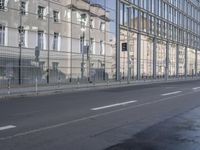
124 47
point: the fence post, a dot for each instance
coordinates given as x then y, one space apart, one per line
8 86
36 85
78 82
94 79
107 82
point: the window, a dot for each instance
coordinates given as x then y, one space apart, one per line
42 64
55 41
81 44
125 15
121 14
101 48
2 4
55 16
92 45
55 66
91 23
2 35
40 12
102 26
83 21
40 39
23 8
21 35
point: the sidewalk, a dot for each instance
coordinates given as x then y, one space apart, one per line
73 87
179 133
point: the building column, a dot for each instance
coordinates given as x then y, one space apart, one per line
71 51
48 45
154 57
139 46
177 60
138 56
118 40
196 62
128 46
186 58
167 61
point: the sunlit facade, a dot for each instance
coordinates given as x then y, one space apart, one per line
69 41
167 33
76 40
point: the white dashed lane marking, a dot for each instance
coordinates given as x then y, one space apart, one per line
114 105
196 88
7 127
172 93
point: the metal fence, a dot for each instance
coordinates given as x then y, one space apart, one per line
56 42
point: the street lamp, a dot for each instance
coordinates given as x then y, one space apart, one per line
82 52
20 42
37 54
48 52
128 44
83 19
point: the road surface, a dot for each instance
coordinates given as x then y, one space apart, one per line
92 120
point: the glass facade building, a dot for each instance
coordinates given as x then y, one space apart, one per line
163 38
65 41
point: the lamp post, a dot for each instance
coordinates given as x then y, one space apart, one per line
82 52
83 19
128 44
48 45
20 43
37 54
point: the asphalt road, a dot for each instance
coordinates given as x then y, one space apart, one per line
91 120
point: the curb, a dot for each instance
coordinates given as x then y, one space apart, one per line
90 88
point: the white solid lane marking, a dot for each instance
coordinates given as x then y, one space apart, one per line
172 93
114 105
7 127
196 88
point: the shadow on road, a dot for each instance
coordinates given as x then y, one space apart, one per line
179 133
